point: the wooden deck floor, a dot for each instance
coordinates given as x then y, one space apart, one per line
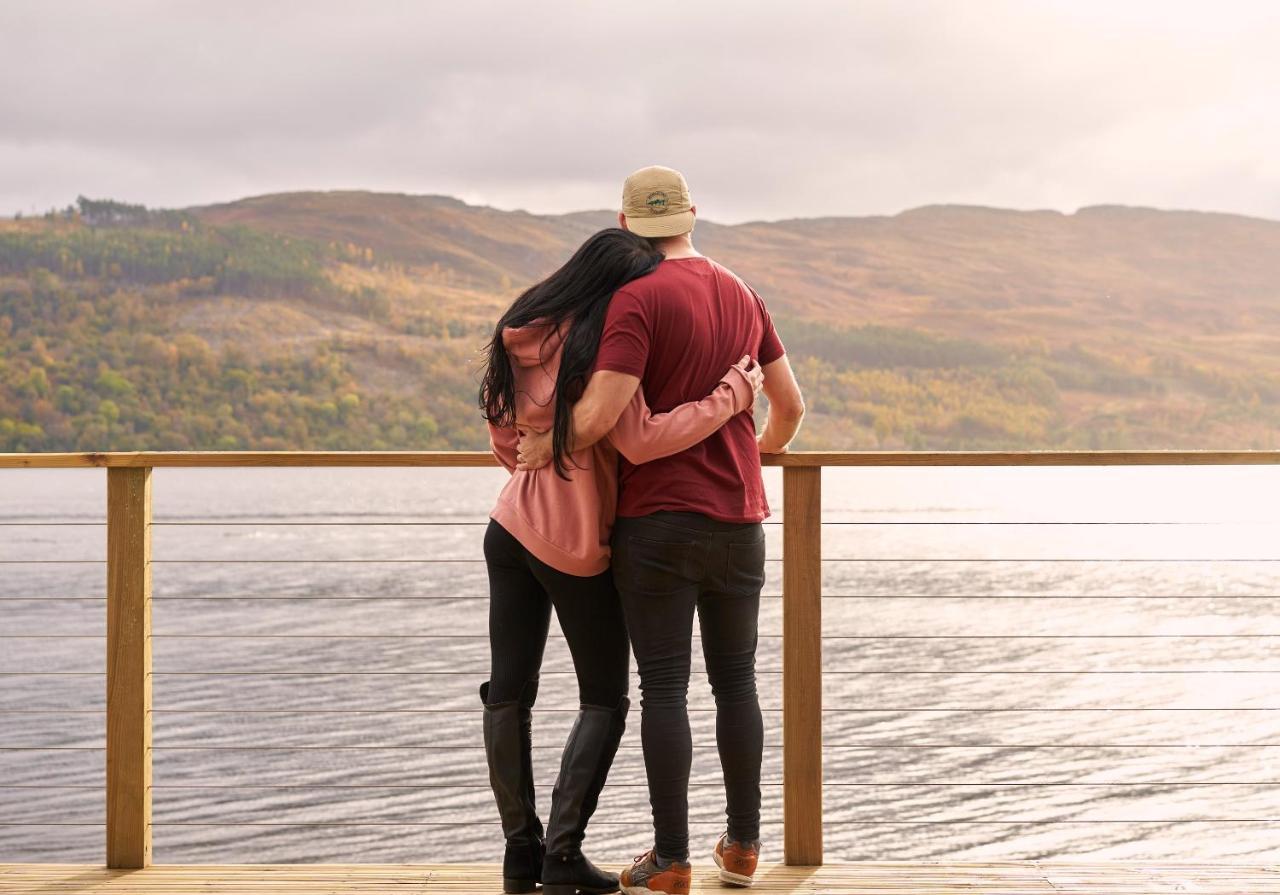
1021 878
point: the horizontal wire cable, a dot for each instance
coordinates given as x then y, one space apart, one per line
859 637
484 786
426 747
624 823
1031 559
847 559
1033 597
777 524
484 597
863 710
631 823
462 598
453 523
778 711
466 523
769 672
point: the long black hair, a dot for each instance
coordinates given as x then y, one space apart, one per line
576 295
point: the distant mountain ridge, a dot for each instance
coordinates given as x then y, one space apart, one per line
353 319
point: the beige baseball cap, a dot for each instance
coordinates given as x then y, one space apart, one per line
655 202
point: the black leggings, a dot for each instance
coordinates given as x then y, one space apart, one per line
522 590
667 565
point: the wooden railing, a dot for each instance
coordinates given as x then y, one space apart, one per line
128 681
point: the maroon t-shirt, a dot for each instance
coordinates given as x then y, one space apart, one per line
679 329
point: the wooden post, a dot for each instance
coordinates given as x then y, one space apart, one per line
128 668
802 664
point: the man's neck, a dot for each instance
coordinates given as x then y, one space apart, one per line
678 247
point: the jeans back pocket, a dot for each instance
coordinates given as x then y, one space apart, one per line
646 565
744 571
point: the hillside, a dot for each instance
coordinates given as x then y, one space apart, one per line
352 320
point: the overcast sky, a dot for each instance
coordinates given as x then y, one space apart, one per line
773 109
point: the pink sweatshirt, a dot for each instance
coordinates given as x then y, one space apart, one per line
567 524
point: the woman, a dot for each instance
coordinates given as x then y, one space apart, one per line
548 545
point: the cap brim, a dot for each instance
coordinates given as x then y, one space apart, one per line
666 225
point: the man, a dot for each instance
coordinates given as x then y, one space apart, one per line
688 534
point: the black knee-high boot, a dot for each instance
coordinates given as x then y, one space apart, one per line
508 747
588 755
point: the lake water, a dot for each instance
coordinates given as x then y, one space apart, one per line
998 684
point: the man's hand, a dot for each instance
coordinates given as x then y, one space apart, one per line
533 450
764 446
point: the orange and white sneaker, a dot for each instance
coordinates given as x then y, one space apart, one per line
645 877
736 860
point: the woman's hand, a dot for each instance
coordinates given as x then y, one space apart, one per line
533 450
753 371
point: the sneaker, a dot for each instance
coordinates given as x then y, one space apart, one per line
645 877
736 860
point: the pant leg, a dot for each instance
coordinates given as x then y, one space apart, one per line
729 615
519 616
654 570
590 615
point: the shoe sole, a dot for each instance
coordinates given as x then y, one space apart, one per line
730 878
643 890
512 886
569 889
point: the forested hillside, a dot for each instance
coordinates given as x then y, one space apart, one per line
354 320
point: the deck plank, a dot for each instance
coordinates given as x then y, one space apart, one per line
872 878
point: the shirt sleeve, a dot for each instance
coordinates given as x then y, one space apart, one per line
641 435
502 440
625 340
771 347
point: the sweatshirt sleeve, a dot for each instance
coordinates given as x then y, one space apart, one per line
641 435
503 441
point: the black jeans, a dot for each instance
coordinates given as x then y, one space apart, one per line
522 590
666 565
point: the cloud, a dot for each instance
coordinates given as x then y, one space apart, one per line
773 110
